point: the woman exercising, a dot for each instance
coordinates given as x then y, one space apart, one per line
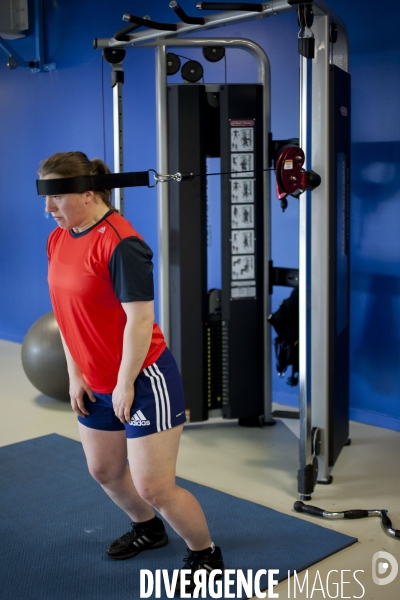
125 386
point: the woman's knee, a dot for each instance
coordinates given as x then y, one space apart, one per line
158 496
105 473
106 453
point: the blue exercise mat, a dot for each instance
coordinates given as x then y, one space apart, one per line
57 523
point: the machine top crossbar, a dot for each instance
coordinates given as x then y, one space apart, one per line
272 8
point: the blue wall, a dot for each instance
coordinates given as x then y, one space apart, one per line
62 110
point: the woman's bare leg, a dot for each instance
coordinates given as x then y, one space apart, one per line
152 460
106 455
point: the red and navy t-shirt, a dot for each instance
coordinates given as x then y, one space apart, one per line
90 274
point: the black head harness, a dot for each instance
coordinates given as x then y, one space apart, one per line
95 183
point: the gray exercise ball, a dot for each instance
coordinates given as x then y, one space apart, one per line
43 358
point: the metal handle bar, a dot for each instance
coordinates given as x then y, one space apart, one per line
184 17
121 35
349 514
149 23
387 525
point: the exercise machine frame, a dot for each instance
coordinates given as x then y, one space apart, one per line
316 141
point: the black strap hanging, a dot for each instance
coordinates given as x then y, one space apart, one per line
85 183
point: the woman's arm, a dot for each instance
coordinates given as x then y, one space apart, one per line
77 385
136 343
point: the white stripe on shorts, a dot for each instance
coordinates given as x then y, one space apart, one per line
160 391
166 395
161 394
145 371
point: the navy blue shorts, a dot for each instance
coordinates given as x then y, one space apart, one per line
158 405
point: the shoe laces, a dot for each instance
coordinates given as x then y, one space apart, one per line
132 534
194 561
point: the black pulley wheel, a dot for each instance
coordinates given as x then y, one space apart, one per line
192 71
114 55
173 63
213 54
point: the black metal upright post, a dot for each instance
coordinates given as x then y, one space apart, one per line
188 242
339 269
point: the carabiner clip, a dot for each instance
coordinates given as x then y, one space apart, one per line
164 178
155 174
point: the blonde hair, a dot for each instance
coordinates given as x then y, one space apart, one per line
72 164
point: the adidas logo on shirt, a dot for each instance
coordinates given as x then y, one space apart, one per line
101 230
139 420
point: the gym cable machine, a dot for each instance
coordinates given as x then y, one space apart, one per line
323 222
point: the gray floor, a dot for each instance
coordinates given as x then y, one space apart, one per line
256 464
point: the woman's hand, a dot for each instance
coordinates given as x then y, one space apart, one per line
77 390
122 399
136 343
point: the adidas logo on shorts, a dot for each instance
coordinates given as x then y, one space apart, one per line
139 420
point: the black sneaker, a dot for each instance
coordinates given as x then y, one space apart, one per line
194 562
135 541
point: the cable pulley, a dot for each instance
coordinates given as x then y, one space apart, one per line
306 41
213 53
173 63
291 178
192 71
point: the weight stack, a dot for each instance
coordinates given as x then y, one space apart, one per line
241 131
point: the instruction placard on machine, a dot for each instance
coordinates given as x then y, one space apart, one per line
242 165
242 190
242 139
242 285
243 241
242 216
243 267
245 291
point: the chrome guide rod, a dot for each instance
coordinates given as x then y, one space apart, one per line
264 78
162 190
304 277
118 139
